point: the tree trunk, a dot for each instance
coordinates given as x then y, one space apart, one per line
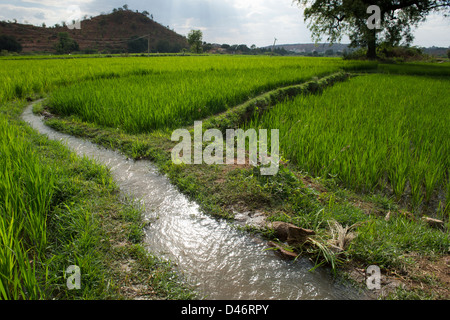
372 45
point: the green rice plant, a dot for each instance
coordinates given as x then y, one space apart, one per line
171 98
398 172
415 181
416 68
25 77
26 188
444 212
372 132
17 271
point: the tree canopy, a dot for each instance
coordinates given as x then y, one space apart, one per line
137 44
336 18
66 44
195 40
9 43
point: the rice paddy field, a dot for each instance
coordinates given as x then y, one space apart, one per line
382 133
368 134
40 76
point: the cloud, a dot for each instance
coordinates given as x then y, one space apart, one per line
21 14
238 22
38 14
57 3
433 32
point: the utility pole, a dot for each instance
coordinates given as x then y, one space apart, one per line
148 46
273 49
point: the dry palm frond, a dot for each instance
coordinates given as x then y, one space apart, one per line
341 236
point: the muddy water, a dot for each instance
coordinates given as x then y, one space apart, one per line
223 262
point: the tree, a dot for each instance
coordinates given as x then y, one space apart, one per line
195 40
9 43
397 19
66 44
233 48
163 46
206 47
137 45
243 48
329 52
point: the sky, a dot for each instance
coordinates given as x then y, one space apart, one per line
247 22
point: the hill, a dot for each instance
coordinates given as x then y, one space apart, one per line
104 33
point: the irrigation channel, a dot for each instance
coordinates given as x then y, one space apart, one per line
223 262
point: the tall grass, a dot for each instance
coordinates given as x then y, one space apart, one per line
372 132
26 188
